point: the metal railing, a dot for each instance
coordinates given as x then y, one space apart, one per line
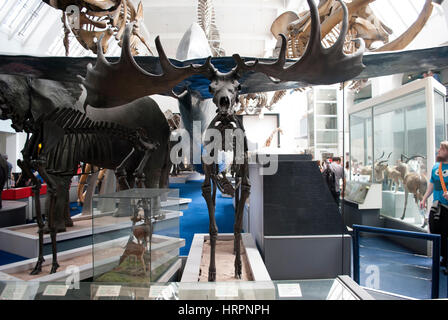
435 238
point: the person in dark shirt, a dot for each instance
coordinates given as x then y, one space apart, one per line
338 169
8 181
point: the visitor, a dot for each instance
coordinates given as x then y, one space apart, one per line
338 170
10 177
319 165
438 215
347 170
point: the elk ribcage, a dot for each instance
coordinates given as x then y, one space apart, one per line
73 137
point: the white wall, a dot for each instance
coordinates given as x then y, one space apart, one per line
12 145
290 110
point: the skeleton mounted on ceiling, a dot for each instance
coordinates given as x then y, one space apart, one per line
95 18
317 66
362 24
206 20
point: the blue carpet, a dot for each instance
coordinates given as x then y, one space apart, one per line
195 219
75 208
7 258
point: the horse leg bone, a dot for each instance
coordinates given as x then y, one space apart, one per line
245 192
24 165
51 193
121 174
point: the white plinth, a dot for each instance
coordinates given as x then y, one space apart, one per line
23 240
260 288
86 269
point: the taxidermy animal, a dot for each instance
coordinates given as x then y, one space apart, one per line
134 249
416 184
394 177
380 168
62 136
317 66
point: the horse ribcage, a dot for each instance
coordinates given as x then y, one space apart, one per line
83 140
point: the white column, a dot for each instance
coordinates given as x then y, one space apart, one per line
14 145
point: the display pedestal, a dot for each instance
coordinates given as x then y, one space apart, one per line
81 259
393 206
25 195
191 288
354 215
12 213
23 240
295 221
181 178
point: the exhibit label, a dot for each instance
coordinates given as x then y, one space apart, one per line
14 291
55 290
289 290
108 291
226 291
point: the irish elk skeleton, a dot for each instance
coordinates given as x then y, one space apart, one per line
318 65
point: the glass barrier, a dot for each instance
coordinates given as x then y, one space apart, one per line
398 262
323 289
361 146
136 236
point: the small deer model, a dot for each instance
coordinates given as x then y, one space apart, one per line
394 177
413 181
142 233
134 249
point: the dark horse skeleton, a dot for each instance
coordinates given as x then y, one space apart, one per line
61 137
317 66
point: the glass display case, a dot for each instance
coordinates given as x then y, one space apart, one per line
135 240
393 140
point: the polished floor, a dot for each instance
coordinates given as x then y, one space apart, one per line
388 266
384 265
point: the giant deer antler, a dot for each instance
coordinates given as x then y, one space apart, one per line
318 65
112 84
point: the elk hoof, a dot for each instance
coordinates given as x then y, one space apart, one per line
238 271
54 267
37 269
212 276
